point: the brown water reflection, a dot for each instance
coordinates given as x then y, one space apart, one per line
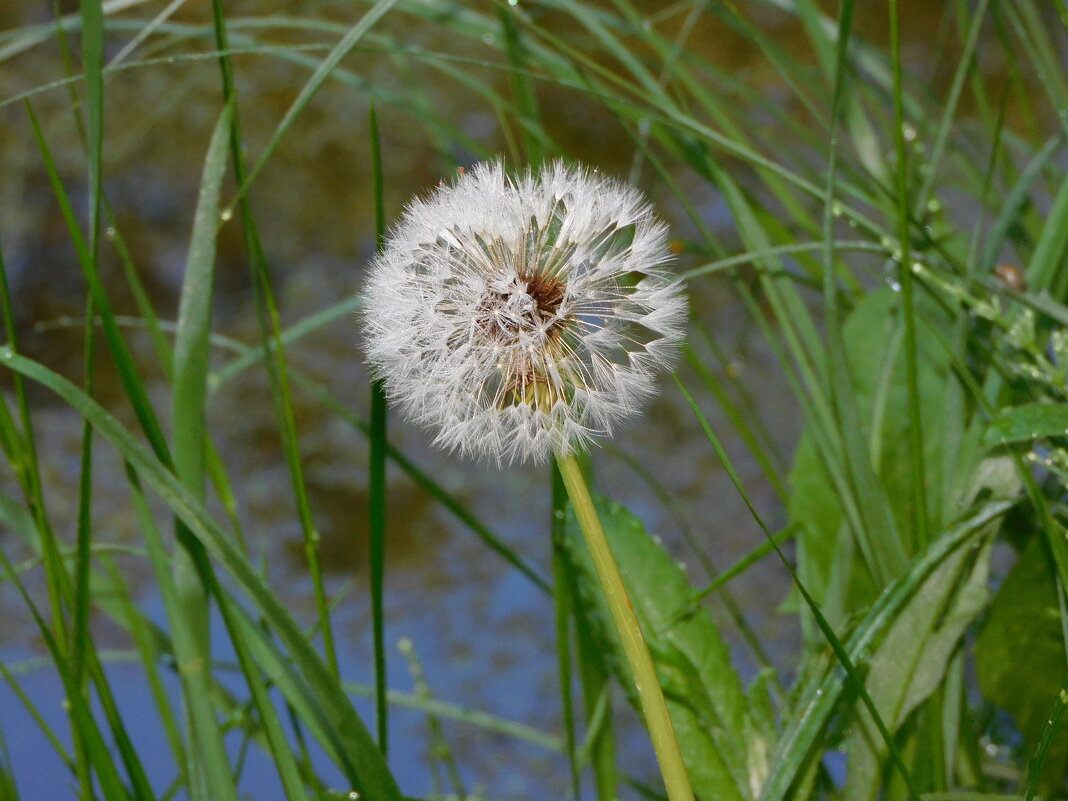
483 631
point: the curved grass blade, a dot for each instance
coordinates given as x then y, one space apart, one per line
377 478
210 774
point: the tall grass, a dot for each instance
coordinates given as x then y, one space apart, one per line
894 232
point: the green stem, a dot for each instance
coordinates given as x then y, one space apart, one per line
676 782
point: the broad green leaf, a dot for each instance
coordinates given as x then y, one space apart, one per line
1028 422
911 661
1019 654
724 750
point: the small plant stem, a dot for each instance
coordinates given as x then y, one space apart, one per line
654 708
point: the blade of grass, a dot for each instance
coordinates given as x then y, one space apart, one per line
471 717
908 313
92 64
377 477
210 774
80 611
738 421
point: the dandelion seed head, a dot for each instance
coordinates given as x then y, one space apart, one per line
517 317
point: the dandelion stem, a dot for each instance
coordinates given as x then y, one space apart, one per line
676 782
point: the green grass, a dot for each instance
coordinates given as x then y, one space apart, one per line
847 181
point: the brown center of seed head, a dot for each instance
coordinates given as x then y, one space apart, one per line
547 292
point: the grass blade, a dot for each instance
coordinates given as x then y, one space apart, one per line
209 773
377 479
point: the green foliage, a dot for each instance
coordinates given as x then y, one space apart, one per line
890 230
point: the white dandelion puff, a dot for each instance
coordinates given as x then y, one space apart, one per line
523 317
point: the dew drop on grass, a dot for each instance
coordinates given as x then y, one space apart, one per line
226 215
354 796
109 232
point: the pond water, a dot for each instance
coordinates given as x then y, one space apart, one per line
482 632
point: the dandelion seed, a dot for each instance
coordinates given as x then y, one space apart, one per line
522 317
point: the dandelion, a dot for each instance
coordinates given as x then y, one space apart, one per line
522 317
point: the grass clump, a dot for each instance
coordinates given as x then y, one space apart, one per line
869 211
